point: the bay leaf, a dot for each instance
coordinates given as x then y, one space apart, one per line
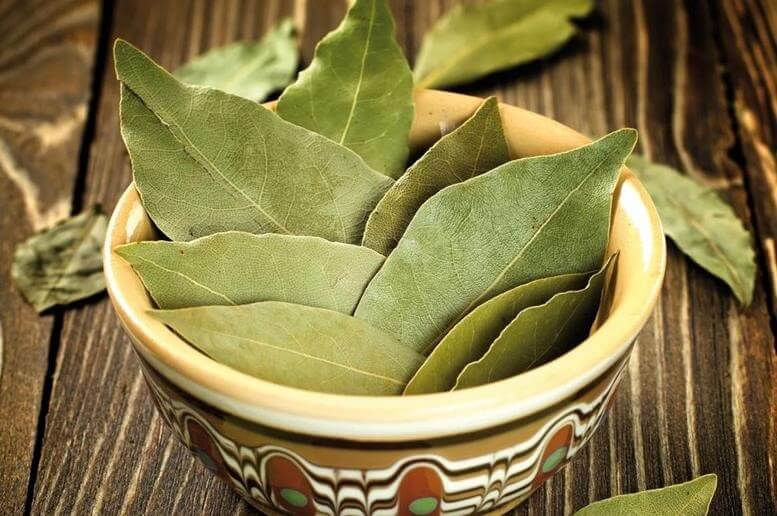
691 498
702 225
205 161
235 268
469 340
357 91
527 219
251 70
473 40
538 334
62 264
299 346
477 146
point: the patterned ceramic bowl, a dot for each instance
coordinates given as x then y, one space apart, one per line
479 450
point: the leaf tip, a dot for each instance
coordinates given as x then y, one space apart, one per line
122 47
586 8
745 294
125 251
122 52
628 134
286 26
490 103
161 315
624 140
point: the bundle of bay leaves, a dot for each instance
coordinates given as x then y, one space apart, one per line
302 251
57 265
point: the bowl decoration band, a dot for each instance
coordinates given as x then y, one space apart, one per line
417 479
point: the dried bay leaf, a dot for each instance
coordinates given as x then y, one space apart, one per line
471 337
538 334
702 225
235 268
477 146
205 161
527 219
299 346
357 91
250 70
473 40
64 263
691 498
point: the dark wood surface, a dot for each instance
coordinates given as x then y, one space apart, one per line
46 59
697 78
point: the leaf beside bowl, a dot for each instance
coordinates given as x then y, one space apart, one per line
251 70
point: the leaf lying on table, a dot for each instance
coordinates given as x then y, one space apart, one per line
704 227
205 161
299 346
64 263
357 91
527 219
688 499
477 146
250 70
473 40
235 268
471 337
538 334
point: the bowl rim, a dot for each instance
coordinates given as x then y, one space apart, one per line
397 418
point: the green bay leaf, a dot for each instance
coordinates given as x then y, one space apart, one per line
473 40
357 91
538 334
527 219
235 268
299 346
62 264
205 161
250 70
702 225
691 498
469 340
477 146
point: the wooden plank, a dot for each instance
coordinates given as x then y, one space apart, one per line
46 58
314 19
748 40
699 388
748 37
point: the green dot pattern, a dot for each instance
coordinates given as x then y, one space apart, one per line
294 497
421 506
554 459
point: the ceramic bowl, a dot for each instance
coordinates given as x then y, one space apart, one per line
480 450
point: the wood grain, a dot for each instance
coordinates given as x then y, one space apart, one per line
46 57
700 392
748 45
748 37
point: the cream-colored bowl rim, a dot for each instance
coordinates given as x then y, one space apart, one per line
370 418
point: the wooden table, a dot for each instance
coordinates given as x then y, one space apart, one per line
698 79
